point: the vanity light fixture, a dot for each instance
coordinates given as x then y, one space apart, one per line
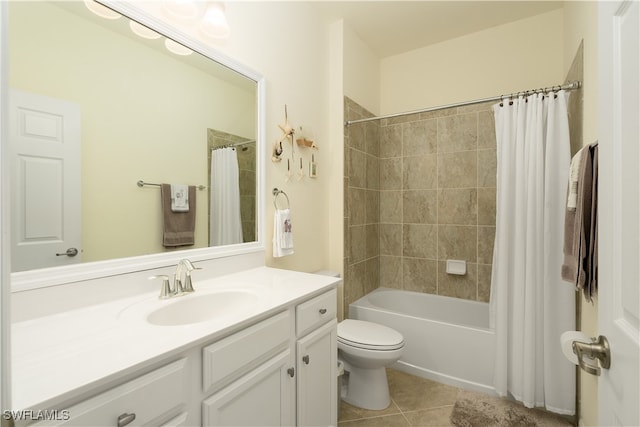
214 22
142 31
177 48
101 10
181 10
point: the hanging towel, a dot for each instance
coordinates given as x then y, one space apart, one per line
580 229
178 227
179 198
282 233
574 173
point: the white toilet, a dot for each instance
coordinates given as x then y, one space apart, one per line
366 348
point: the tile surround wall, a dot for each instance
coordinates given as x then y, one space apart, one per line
425 186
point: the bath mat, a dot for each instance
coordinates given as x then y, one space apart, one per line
474 409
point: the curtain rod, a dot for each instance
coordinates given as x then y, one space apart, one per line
236 144
568 86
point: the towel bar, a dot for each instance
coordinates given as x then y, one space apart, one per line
141 183
276 193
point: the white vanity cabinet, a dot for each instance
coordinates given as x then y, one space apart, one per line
278 369
316 352
279 376
156 398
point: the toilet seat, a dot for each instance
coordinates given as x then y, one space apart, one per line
369 335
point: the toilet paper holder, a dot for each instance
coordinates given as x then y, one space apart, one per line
597 349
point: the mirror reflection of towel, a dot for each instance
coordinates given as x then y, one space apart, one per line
179 198
282 233
178 227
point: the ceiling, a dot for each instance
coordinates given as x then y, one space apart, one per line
393 27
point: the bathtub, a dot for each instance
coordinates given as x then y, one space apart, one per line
446 339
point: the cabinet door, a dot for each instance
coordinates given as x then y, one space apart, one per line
317 369
263 397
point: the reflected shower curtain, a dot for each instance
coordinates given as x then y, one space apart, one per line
226 225
530 304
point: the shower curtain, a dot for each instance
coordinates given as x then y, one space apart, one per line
226 225
530 304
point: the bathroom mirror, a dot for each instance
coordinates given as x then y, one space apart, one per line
141 110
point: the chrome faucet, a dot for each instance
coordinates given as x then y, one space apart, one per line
180 287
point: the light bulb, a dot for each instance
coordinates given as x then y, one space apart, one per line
183 10
101 10
214 23
142 31
177 48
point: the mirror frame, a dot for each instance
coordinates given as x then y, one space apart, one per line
39 278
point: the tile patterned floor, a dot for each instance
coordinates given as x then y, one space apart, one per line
414 402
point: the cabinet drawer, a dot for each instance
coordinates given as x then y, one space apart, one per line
149 397
315 312
230 357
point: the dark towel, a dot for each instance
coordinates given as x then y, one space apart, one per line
178 227
580 230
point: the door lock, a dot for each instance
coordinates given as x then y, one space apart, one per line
597 349
71 252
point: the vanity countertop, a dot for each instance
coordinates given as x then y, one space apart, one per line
61 355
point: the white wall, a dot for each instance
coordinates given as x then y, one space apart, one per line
144 116
361 72
521 55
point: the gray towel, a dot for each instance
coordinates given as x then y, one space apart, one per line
580 229
178 227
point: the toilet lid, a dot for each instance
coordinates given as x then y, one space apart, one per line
369 335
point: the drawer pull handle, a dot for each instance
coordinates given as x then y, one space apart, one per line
322 310
291 372
126 419
305 359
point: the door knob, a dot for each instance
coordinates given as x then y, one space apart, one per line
305 359
598 349
71 252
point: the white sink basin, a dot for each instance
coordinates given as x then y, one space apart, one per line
196 308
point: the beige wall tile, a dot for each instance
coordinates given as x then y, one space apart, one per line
438 113
486 238
355 289
372 138
345 197
356 206
372 206
391 206
420 275
373 172
391 174
357 243
487 168
452 285
357 169
391 239
372 240
357 136
486 130
486 206
419 173
485 106
457 242
419 138
420 240
390 141
458 206
458 133
484 282
391 271
401 119
419 207
372 274
457 170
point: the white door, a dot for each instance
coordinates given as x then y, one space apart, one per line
619 211
45 181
